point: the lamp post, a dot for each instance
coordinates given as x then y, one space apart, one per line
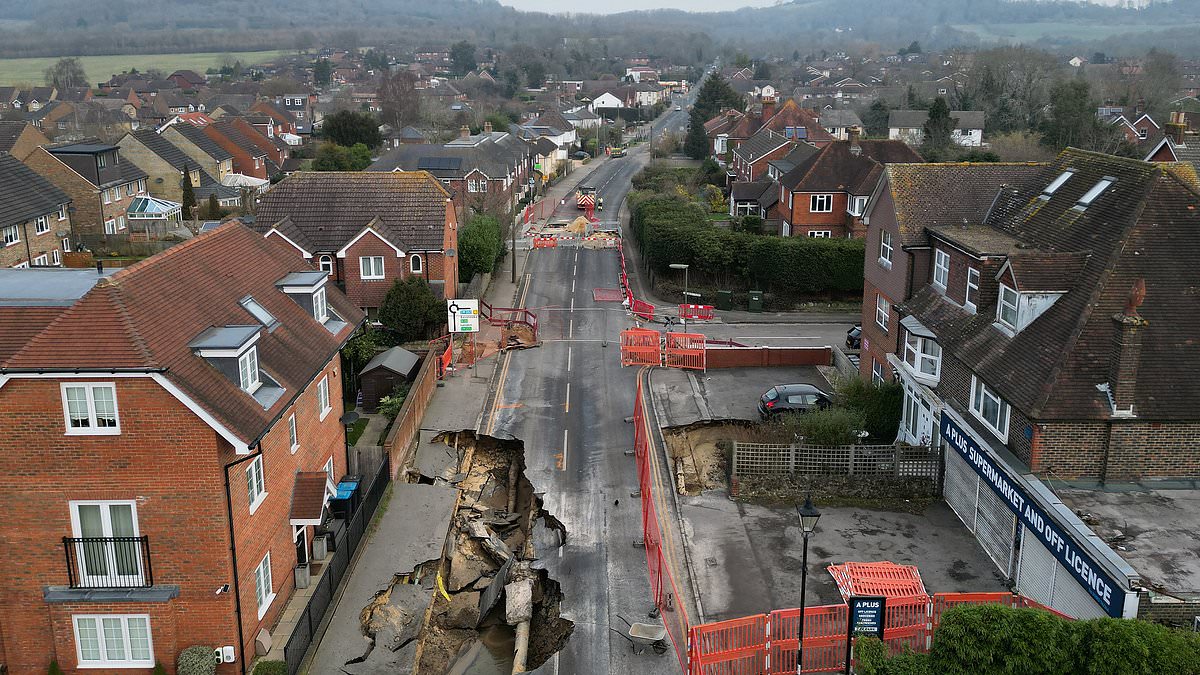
684 267
808 522
348 421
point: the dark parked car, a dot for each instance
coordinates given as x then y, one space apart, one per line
579 154
792 398
854 337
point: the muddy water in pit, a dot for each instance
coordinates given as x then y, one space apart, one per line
491 654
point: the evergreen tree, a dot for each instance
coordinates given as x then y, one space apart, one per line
875 120
189 197
695 144
714 95
938 129
214 207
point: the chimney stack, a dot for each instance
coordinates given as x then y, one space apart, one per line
854 132
1127 352
1175 131
487 127
464 132
768 107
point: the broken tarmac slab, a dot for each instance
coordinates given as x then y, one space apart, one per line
435 459
410 532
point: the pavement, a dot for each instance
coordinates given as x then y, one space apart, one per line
685 397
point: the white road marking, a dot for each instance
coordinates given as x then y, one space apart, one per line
564 462
572 304
736 337
571 329
567 405
569 362
572 285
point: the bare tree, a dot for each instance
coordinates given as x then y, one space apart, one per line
399 99
66 72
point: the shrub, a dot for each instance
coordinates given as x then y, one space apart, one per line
271 668
881 405
159 669
479 246
196 660
410 308
831 426
389 406
871 654
54 669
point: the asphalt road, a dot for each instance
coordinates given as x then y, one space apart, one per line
568 400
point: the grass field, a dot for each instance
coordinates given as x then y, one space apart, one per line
100 68
1032 32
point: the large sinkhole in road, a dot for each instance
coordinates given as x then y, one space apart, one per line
491 605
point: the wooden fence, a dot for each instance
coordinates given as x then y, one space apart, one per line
880 461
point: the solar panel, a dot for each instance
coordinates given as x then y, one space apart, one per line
439 163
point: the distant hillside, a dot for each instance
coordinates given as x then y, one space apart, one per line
53 27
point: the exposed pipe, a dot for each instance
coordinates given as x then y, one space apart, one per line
237 594
521 655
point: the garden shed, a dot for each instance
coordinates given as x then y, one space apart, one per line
383 372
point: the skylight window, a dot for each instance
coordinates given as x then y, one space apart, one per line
1058 182
1091 195
258 312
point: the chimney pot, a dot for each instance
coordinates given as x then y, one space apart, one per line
464 132
487 127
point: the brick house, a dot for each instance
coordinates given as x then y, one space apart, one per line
194 143
748 161
826 194
285 121
485 173
168 464
20 138
167 164
1048 340
366 229
99 181
909 198
35 218
248 158
731 128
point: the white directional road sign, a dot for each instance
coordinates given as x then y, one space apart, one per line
462 315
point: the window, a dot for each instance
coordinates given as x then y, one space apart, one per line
110 226
821 204
1091 194
923 355
120 223
320 309
989 408
258 311
876 372
11 235
415 264
972 296
1006 309
66 245
41 225
21 266
299 114
325 262
129 189
329 469
882 309
263 590
248 371
141 185
103 561
885 249
256 490
101 161
857 205
323 396
62 212
1057 183
90 408
1143 133
55 257
293 436
41 261
113 640
371 267
820 234
941 268
62 124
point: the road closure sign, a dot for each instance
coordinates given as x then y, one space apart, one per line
462 315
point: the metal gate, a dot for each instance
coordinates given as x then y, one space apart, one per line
981 510
685 350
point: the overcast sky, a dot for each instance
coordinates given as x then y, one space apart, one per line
612 6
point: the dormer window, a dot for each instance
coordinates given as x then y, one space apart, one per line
248 371
1090 196
1057 183
1006 308
320 308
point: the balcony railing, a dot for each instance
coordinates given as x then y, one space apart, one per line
108 562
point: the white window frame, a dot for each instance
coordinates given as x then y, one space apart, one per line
256 484
141 185
323 261
941 268
971 297
320 305
877 376
370 267
41 225
293 433
93 428
1095 191
1002 303
264 591
56 258
112 574
41 261
981 395
10 235
98 621
416 264
110 226
120 223
921 352
323 403
822 203
107 198
883 309
62 212
820 234
248 378
328 469
66 244
885 249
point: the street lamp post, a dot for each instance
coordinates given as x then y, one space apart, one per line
684 267
808 522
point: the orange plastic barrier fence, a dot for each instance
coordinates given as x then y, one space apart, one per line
444 356
824 639
734 647
696 311
685 350
545 242
640 347
642 309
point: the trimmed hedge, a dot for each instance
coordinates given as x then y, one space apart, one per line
670 230
271 668
196 660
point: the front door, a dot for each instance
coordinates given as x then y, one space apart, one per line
301 536
917 426
106 544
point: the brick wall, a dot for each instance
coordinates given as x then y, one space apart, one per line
29 139
201 157
1168 611
164 178
85 198
408 421
877 343
803 220
743 357
33 244
370 292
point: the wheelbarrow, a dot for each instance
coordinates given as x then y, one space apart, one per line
641 635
